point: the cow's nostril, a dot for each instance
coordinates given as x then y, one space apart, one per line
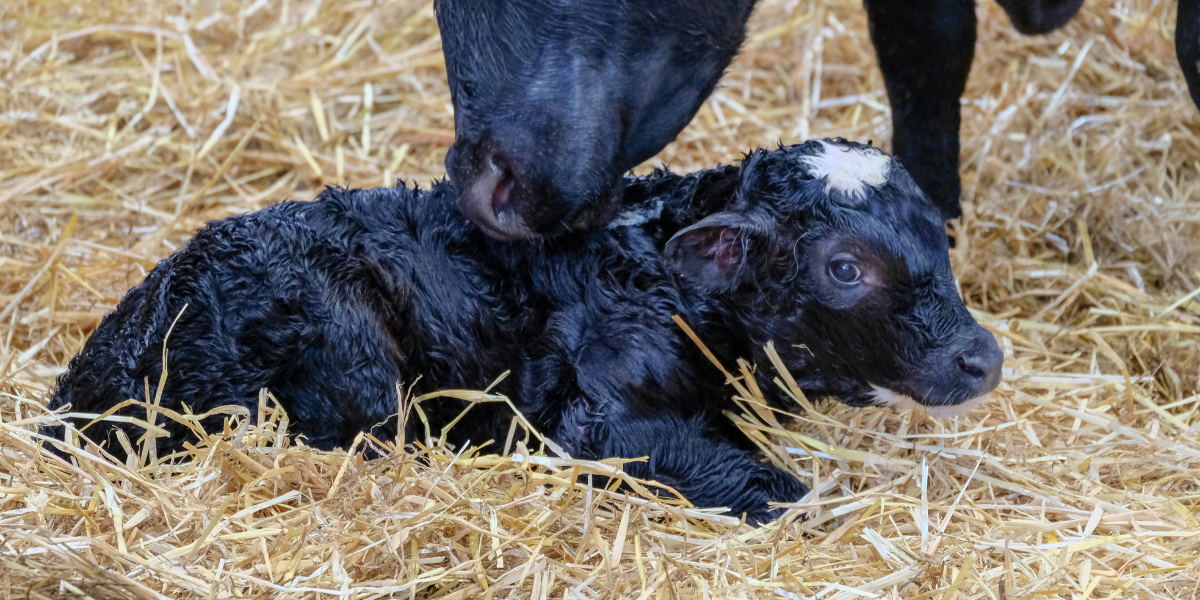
971 367
488 200
505 212
502 179
502 191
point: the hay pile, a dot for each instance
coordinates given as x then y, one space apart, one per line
125 125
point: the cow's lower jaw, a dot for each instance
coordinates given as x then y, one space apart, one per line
895 400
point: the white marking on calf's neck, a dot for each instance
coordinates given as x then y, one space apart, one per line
888 398
849 170
637 215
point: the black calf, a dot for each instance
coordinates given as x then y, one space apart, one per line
827 248
555 100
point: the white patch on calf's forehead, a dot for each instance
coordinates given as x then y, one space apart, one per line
888 398
849 170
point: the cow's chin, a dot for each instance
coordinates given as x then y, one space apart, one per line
895 400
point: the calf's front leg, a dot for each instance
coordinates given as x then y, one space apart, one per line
695 459
615 384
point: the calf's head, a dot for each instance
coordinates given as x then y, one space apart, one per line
554 100
829 249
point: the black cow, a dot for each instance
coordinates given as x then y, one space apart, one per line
827 248
555 100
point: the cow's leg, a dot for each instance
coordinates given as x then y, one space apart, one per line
1187 45
701 464
925 48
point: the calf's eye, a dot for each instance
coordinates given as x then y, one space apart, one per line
844 271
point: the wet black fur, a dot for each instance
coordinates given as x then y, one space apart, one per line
332 304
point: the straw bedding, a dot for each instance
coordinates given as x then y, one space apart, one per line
126 124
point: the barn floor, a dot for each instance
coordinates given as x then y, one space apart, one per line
126 124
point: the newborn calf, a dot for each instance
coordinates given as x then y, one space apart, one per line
827 248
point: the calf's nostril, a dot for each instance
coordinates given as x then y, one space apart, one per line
971 366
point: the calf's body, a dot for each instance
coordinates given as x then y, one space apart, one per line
826 248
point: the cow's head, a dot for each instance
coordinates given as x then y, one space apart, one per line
555 100
829 249
1036 17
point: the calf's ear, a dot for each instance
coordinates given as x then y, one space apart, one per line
711 254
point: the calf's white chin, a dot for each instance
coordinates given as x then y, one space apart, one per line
888 398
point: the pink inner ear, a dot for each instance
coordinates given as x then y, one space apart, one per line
711 255
726 252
